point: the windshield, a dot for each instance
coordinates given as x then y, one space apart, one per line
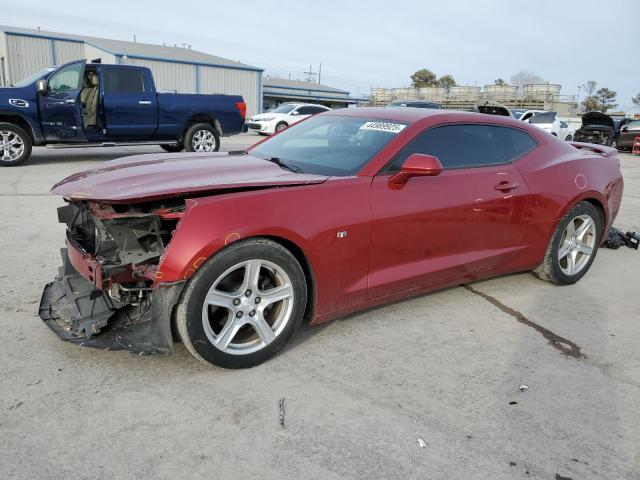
329 145
284 108
25 82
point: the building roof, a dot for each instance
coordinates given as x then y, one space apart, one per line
282 83
136 49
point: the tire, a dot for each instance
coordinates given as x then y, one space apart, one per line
172 148
281 126
232 298
568 139
201 137
556 267
18 145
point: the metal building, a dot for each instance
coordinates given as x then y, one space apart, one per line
280 90
24 52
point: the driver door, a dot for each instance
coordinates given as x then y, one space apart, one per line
60 107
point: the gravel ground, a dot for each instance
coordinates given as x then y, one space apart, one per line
361 395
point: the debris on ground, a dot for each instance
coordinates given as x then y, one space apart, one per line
15 405
422 443
524 388
616 239
281 408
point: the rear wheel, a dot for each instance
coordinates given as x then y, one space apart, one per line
172 147
15 145
202 137
243 305
573 246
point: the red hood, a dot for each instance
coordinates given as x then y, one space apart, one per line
143 178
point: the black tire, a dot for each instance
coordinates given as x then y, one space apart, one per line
24 138
193 130
172 148
550 269
281 126
189 314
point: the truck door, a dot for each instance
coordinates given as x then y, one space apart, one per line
60 107
130 103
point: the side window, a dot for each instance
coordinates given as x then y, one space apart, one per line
67 78
306 110
123 80
457 146
318 110
564 124
518 143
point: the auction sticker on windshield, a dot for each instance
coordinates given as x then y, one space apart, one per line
383 127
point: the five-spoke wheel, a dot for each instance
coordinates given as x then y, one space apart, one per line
243 304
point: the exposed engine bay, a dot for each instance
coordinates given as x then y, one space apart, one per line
596 128
107 280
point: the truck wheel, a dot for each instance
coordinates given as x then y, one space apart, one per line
172 148
15 145
202 137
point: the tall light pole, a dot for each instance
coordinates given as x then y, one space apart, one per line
578 107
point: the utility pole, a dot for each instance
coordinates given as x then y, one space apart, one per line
310 74
320 73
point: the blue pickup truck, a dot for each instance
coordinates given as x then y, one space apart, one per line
80 104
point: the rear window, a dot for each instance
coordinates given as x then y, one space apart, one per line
123 80
546 117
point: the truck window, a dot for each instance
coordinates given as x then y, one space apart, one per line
67 78
123 80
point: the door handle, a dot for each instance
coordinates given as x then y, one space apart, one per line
70 101
144 102
506 186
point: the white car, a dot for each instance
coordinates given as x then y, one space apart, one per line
282 116
549 122
524 115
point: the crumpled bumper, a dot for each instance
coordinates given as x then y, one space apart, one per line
76 311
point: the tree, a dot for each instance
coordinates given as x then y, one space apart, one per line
606 99
423 78
500 82
636 100
590 103
589 87
446 81
524 77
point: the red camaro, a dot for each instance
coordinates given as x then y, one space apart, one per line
346 210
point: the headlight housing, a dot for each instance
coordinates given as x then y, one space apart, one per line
265 119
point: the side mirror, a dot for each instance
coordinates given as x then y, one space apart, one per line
41 86
295 112
417 165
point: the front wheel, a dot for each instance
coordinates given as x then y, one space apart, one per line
281 126
243 305
573 246
201 137
15 145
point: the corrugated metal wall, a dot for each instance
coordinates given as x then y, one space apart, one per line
231 82
27 55
170 75
68 51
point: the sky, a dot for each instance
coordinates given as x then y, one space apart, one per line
363 44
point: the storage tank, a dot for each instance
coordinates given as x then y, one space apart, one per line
405 93
499 92
541 91
464 92
432 93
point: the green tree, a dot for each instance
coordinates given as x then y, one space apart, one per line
446 81
590 103
636 100
500 82
423 78
606 99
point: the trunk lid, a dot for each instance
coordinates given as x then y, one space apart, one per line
142 178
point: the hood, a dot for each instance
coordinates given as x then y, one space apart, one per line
597 119
142 178
494 109
261 116
14 98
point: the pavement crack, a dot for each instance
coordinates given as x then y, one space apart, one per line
567 347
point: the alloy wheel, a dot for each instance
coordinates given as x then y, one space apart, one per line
577 244
248 307
204 141
11 146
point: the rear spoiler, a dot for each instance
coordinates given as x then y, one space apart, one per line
601 149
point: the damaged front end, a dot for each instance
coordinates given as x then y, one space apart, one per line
106 294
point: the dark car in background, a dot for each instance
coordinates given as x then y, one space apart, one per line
626 132
415 104
596 128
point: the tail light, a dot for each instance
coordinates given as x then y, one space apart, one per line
242 108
